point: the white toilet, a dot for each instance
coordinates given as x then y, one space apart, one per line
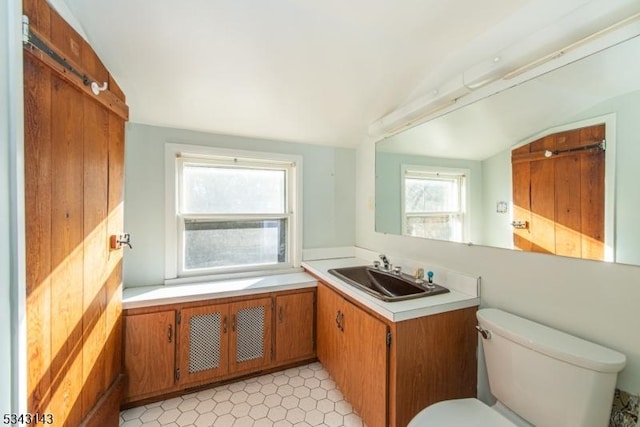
540 377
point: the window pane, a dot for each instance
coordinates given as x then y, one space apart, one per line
431 195
445 227
226 190
215 244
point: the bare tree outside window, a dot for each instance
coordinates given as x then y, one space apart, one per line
233 214
434 205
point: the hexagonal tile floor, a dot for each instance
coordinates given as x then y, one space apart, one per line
298 397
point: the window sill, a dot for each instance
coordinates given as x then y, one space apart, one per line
149 296
230 276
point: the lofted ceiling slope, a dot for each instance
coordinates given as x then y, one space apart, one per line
295 70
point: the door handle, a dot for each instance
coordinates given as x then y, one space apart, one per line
170 333
233 323
224 324
280 314
340 320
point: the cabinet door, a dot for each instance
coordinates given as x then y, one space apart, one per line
366 362
294 326
149 353
250 340
204 343
352 346
329 347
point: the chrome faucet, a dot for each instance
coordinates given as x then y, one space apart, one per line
386 265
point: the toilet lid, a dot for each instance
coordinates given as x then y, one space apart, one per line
460 412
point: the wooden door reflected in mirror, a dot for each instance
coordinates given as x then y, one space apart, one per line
558 193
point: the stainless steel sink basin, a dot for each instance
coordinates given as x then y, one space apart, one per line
385 285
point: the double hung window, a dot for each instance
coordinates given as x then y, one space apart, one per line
434 203
234 215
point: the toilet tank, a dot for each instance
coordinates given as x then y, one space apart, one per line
548 377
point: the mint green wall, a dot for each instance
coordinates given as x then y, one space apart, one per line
388 189
13 393
496 187
5 225
328 193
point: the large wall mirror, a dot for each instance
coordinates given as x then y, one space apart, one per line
551 165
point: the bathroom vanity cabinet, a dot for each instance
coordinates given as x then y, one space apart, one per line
352 346
389 371
171 348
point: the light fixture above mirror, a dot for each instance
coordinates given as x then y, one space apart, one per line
510 67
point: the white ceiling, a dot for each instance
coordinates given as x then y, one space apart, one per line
301 70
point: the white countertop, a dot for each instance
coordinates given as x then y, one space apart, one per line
394 311
462 291
148 296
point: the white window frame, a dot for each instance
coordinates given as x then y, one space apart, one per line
176 154
465 197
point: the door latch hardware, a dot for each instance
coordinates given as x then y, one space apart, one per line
118 241
520 224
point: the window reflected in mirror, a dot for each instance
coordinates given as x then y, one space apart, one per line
434 203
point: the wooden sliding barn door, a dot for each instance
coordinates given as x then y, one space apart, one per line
559 194
74 152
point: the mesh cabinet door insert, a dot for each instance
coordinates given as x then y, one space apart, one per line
204 343
250 334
